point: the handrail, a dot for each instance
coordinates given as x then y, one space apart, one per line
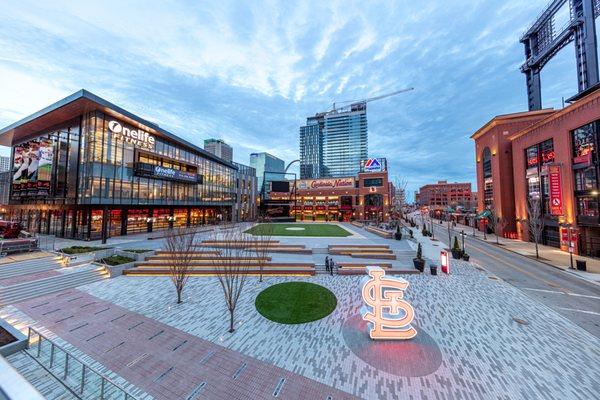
84 364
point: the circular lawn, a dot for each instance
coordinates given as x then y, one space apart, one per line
295 302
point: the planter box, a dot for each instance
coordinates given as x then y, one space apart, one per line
19 344
419 264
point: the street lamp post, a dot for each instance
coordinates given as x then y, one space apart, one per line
570 230
462 234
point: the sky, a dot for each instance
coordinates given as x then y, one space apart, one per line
251 72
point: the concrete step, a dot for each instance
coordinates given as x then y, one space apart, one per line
29 267
29 290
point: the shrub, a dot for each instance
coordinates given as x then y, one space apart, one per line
455 246
419 252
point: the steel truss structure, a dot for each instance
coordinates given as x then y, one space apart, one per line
543 40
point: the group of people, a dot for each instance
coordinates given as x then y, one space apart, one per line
329 265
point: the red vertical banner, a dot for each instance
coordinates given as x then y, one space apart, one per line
556 200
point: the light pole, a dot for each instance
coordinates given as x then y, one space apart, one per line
462 234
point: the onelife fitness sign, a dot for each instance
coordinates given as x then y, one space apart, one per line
138 138
554 179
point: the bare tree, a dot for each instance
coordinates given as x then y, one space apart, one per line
535 221
262 247
231 266
179 245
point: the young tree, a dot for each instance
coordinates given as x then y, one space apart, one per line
231 266
535 222
261 247
179 245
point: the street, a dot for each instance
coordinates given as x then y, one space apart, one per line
570 296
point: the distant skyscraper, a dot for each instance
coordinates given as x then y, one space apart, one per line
332 144
4 163
311 147
268 168
219 148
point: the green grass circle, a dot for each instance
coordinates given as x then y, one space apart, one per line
295 302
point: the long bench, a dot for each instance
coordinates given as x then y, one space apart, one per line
380 232
281 269
388 271
199 253
347 252
361 266
206 257
377 256
296 249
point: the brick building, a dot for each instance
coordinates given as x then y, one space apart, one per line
550 155
367 196
441 195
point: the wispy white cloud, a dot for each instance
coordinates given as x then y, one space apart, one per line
251 72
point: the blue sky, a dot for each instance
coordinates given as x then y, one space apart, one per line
251 72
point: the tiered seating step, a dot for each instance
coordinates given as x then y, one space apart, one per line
279 269
272 248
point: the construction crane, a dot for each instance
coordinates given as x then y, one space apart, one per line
383 96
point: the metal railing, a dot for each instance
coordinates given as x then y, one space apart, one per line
82 380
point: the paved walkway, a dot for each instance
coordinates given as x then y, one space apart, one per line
162 360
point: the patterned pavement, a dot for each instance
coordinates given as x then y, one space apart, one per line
485 352
480 339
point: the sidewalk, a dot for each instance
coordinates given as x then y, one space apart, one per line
548 255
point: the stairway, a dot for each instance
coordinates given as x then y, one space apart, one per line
29 266
28 290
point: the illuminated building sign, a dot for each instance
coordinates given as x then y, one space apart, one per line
388 314
138 138
159 172
554 178
374 165
326 183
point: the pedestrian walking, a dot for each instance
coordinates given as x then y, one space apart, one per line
331 265
327 263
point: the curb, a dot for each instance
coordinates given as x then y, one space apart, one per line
540 261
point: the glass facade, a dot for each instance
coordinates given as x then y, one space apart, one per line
311 145
345 141
108 176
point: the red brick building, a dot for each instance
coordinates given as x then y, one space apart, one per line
549 155
442 195
365 197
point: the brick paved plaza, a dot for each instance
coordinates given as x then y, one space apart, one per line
469 344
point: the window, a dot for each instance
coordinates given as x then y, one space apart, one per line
587 206
585 179
583 140
531 156
487 163
372 182
547 151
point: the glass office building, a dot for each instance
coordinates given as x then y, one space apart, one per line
84 168
345 141
311 147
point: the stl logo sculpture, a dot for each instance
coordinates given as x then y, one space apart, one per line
389 315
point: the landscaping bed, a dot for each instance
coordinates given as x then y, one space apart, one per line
81 249
295 302
116 260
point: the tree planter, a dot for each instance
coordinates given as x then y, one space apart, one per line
456 254
581 265
419 264
433 269
466 257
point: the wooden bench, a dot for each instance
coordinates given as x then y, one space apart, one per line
389 271
207 257
361 266
380 232
358 246
347 252
210 270
377 256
